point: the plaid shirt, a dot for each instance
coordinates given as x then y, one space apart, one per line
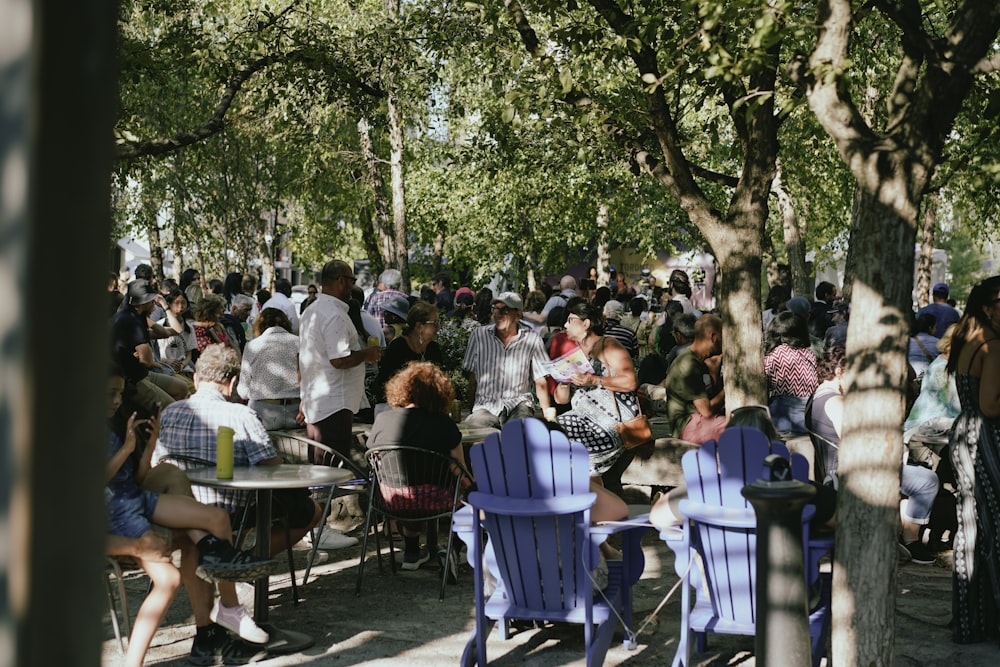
377 300
189 427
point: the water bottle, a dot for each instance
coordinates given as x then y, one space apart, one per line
224 453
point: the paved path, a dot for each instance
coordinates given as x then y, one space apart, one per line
399 621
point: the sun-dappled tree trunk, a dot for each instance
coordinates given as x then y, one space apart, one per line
892 171
925 258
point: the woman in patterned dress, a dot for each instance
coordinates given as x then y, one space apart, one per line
594 413
975 456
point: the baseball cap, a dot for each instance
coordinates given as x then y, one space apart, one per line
613 309
140 292
397 305
940 288
799 305
464 290
509 299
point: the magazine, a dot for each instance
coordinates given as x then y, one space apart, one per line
563 368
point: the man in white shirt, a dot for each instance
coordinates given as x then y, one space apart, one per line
331 361
281 299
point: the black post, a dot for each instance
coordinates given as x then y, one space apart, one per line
782 599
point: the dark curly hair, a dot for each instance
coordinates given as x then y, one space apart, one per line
422 384
833 358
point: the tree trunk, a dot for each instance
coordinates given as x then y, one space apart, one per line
793 235
155 251
398 192
926 256
438 257
871 447
368 236
603 256
374 178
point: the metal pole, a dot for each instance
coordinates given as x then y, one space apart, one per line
782 599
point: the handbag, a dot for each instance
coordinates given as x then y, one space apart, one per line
634 432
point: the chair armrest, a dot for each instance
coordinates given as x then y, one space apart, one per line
531 506
717 515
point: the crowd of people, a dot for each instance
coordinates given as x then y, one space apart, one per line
347 354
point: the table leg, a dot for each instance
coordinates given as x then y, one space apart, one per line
281 642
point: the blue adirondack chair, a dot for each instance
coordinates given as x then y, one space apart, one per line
720 527
534 501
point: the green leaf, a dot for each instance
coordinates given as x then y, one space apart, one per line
566 79
507 115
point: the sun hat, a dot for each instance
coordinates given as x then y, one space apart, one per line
140 292
398 306
509 299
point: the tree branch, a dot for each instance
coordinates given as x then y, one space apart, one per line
126 150
132 149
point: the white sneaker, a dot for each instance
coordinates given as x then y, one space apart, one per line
334 539
237 619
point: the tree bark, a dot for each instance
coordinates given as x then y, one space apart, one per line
926 256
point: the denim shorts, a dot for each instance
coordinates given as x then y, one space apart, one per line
129 516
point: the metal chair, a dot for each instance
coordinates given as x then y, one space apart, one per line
113 573
410 484
296 448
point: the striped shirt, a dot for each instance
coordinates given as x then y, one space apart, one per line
790 372
504 373
623 335
189 428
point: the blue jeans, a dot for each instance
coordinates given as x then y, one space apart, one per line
920 485
788 413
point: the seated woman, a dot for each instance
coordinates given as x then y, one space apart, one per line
600 400
790 367
937 405
207 331
176 350
269 371
416 343
131 511
420 396
920 485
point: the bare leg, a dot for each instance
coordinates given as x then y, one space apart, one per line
666 512
608 506
167 478
166 580
200 592
187 513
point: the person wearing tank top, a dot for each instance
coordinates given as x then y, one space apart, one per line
975 456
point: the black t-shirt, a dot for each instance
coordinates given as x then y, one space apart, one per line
414 427
129 330
398 354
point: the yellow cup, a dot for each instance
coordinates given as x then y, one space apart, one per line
373 341
224 453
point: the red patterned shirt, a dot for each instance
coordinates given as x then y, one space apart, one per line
790 372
